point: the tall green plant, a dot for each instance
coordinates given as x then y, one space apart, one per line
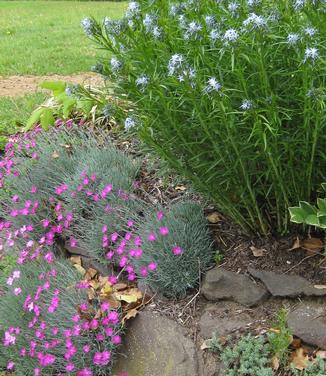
230 93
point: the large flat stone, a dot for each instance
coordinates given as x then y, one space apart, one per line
219 284
156 346
308 322
283 285
212 321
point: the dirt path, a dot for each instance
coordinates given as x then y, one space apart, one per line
14 86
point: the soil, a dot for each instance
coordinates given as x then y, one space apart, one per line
14 86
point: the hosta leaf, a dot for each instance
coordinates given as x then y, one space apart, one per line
34 118
321 202
297 214
56 87
47 118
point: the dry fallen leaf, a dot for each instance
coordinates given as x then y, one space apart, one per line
80 269
129 315
180 188
300 359
296 244
275 363
321 354
129 296
213 217
90 274
320 287
75 260
206 344
258 252
120 286
296 343
312 245
55 155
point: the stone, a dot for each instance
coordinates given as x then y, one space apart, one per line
213 321
219 284
308 322
284 285
154 346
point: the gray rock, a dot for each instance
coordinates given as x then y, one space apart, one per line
212 321
221 284
156 346
283 285
308 322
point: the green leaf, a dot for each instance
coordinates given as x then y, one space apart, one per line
85 105
57 87
34 118
322 221
47 118
297 214
307 208
321 203
312 220
68 105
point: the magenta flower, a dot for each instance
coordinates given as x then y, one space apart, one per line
177 251
151 237
160 215
164 231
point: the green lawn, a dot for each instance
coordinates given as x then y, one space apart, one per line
15 111
44 37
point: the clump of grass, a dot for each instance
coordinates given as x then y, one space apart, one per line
179 244
231 94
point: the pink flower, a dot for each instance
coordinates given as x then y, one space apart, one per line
151 237
17 291
114 236
15 198
164 231
45 222
116 340
143 271
72 242
152 266
104 229
34 189
84 372
160 215
49 257
137 241
46 360
93 178
86 348
102 358
177 251
10 366
37 371
70 367
113 279
105 306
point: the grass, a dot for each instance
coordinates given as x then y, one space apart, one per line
42 37
15 111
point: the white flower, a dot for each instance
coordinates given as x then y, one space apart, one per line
299 4
311 53
16 274
192 30
142 82
115 64
149 22
231 35
212 85
310 31
133 9
252 3
175 63
210 21
157 32
246 105
214 35
88 26
233 7
130 123
255 20
293 38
